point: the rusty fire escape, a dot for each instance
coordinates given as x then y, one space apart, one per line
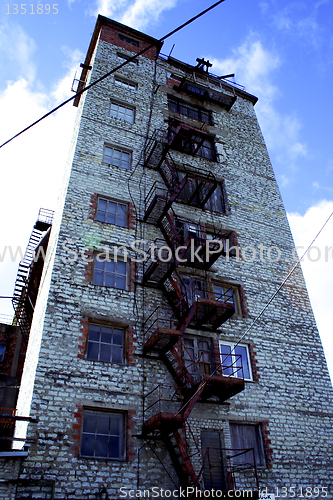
191 305
24 297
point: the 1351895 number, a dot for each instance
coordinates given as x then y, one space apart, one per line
31 8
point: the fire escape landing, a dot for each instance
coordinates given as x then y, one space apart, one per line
212 377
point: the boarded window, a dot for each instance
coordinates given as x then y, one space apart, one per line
248 437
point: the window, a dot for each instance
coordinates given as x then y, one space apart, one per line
103 434
188 110
229 294
2 352
192 142
117 157
125 84
106 343
214 469
122 112
197 355
207 149
124 57
196 90
125 38
216 202
192 191
111 212
194 288
245 436
108 272
235 360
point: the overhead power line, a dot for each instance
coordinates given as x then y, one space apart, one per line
114 69
256 318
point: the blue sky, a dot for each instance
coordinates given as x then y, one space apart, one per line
281 50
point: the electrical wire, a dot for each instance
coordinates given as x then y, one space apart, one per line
256 318
114 70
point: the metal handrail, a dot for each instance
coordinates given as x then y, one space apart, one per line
232 468
157 319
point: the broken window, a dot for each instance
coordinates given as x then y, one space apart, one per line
106 343
103 435
112 212
193 142
191 191
125 57
198 355
229 294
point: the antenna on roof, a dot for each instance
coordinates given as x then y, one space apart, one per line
226 76
202 64
172 49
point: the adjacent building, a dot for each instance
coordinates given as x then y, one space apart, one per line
144 368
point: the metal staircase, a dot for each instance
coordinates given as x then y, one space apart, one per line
192 302
22 303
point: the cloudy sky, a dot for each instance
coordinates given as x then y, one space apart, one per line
281 50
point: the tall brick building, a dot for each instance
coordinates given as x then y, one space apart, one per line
138 374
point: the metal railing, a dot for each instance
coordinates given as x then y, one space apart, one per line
159 318
162 399
234 476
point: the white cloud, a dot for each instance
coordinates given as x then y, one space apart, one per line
33 163
301 20
255 66
16 50
318 275
135 13
316 185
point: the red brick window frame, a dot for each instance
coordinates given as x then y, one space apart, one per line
129 335
247 435
228 293
236 362
254 365
94 207
128 444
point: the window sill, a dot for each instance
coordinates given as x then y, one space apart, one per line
104 458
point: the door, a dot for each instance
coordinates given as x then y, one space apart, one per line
214 470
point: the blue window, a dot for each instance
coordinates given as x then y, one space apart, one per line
235 360
106 343
103 435
108 272
111 212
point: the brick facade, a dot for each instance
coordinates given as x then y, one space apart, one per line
290 395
